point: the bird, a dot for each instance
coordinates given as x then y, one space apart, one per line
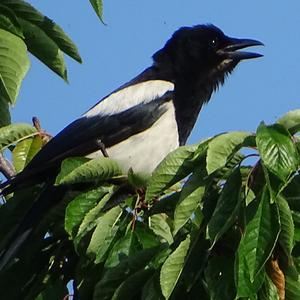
139 123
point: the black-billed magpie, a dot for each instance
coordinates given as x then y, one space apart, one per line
142 121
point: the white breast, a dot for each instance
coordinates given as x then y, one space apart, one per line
145 150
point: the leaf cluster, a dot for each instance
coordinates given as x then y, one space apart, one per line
218 219
24 29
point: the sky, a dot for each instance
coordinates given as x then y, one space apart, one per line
259 90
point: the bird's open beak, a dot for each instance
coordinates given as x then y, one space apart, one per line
230 50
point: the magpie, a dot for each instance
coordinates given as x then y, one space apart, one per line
139 123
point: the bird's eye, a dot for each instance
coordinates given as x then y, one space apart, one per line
213 43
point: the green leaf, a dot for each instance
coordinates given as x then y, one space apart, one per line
172 268
79 207
14 65
198 217
190 198
69 165
14 133
79 170
104 233
150 290
260 236
90 220
160 257
296 220
145 236
123 248
286 236
131 286
222 148
43 48
9 21
220 278
159 225
291 121
113 277
25 11
176 166
292 286
227 207
4 110
166 204
277 150
25 151
98 8
268 290
292 192
244 286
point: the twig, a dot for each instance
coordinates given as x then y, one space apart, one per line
6 168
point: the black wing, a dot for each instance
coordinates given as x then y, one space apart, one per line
82 137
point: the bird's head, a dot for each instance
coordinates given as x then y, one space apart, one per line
203 49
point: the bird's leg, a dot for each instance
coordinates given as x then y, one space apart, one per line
102 147
6 168
46 137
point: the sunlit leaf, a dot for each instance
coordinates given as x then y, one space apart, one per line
172 268
190 198
14 133
25 11
176 166
291 121
80 206
90 219
76 170
159 225
25 151
222 147
104 233
286 237
14 64
277 150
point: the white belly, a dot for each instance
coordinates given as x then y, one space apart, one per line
144 151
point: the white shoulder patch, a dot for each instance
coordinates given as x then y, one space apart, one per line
130 96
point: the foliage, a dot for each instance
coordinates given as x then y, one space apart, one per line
205 223
210 223
23 29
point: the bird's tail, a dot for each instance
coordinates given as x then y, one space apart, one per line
20 181
47 198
